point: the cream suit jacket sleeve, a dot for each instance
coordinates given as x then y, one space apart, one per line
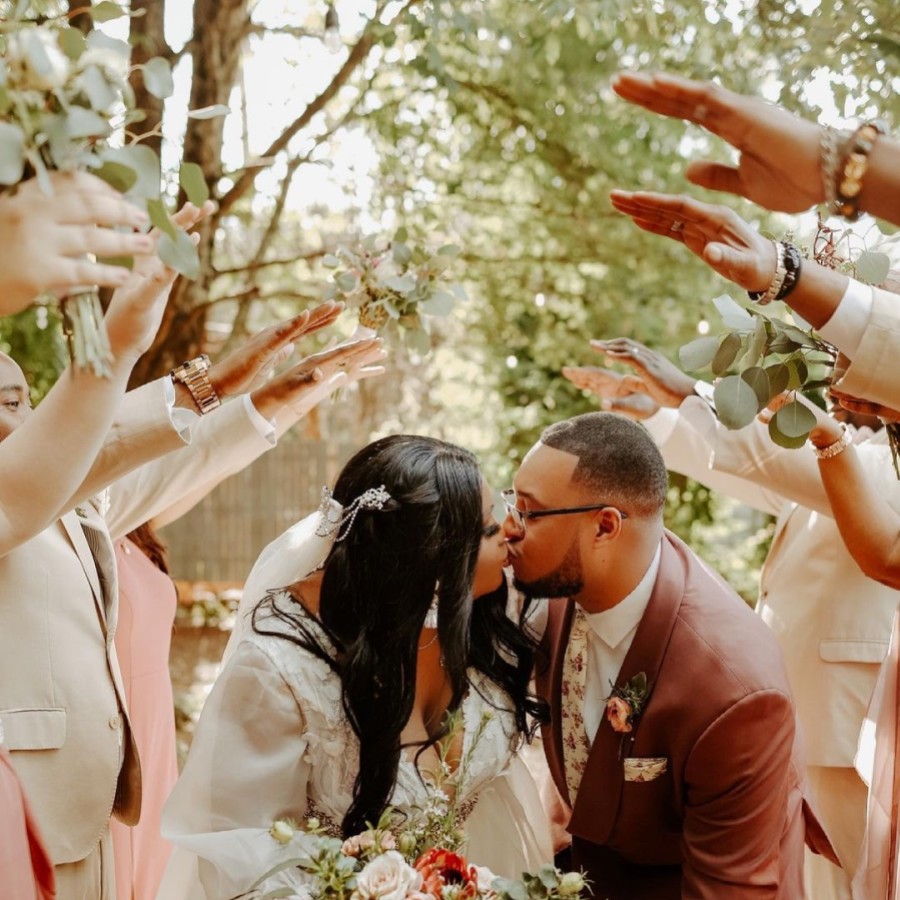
873 373
222 443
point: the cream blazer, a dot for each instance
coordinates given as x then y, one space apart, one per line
832 622
61 696
874 373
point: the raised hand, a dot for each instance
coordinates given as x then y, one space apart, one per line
717 234
47 243
137 306
625 394
240 370
661 379
778 166
311 380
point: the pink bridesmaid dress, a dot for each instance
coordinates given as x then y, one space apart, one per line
26 872
147 602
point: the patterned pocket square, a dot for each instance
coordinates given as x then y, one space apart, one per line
645 768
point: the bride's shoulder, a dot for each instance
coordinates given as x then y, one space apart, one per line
291 638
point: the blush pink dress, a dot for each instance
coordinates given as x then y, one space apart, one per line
147 602
25 867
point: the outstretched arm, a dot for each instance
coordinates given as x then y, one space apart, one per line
778 164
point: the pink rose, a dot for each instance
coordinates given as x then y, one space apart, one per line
618 712
387 877
358 844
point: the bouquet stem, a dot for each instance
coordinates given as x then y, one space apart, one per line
85 332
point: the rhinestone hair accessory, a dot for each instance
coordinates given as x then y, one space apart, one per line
431 617
337 521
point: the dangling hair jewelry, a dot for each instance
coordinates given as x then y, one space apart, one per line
337 520
431 617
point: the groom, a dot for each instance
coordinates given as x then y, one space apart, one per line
673 736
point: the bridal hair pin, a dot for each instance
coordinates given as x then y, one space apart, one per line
338 520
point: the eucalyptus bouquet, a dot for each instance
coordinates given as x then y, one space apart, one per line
760 355
395 287
65 102
410 855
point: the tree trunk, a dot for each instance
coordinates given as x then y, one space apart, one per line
148 39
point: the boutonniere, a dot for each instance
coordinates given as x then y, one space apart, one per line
626 702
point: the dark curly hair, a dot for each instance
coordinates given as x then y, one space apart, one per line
377 586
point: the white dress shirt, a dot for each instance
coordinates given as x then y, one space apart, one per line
609 638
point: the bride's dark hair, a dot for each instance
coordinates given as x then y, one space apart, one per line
377 586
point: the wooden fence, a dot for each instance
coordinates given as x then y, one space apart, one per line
219 539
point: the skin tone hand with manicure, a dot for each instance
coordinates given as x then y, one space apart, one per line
45 241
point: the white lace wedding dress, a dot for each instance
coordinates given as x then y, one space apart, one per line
273 743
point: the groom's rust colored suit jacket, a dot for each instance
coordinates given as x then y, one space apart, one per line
727 818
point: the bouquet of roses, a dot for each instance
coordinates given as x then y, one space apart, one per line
64 97
385 863
397 286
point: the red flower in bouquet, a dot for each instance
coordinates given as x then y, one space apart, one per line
440 868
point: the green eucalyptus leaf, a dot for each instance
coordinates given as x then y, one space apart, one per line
733 315
458 291
392 310
449 250
402 284
783 343
330 261
698 353
100 93
757 343
144 161
193 183
401 236
106 11
417 341
795 420
438 304
795 334
119 176
12 153
346 282
159 218
99 40
781 439
82 123
330 292
757 378
872 267
158 77
779 378
736 402
180 254
401 253
72 42
727 353
798 372
209 112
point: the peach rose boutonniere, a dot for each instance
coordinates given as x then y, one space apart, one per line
626 702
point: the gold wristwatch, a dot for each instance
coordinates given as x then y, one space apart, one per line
193 375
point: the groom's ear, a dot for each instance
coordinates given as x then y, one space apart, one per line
607 524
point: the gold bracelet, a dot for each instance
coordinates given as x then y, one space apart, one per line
835 448
849 183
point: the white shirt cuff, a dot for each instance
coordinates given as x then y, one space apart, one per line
183 419
265 427
848 322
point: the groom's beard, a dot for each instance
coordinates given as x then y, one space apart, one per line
566 581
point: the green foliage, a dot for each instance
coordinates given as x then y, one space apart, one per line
33 338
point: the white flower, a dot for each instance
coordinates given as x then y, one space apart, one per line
485 878
35 60
570 883
387 877
282 831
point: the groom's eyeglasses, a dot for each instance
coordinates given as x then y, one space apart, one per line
521 516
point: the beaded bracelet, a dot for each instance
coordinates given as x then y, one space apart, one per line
848 185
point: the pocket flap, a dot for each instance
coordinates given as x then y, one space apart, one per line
872 652
33 729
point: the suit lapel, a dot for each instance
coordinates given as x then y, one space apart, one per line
597 804
72 524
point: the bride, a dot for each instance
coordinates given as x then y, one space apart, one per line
334 699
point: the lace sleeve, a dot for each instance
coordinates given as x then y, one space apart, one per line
247 767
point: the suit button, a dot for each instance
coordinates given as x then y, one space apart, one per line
115 722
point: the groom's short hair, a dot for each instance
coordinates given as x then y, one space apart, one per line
618 462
